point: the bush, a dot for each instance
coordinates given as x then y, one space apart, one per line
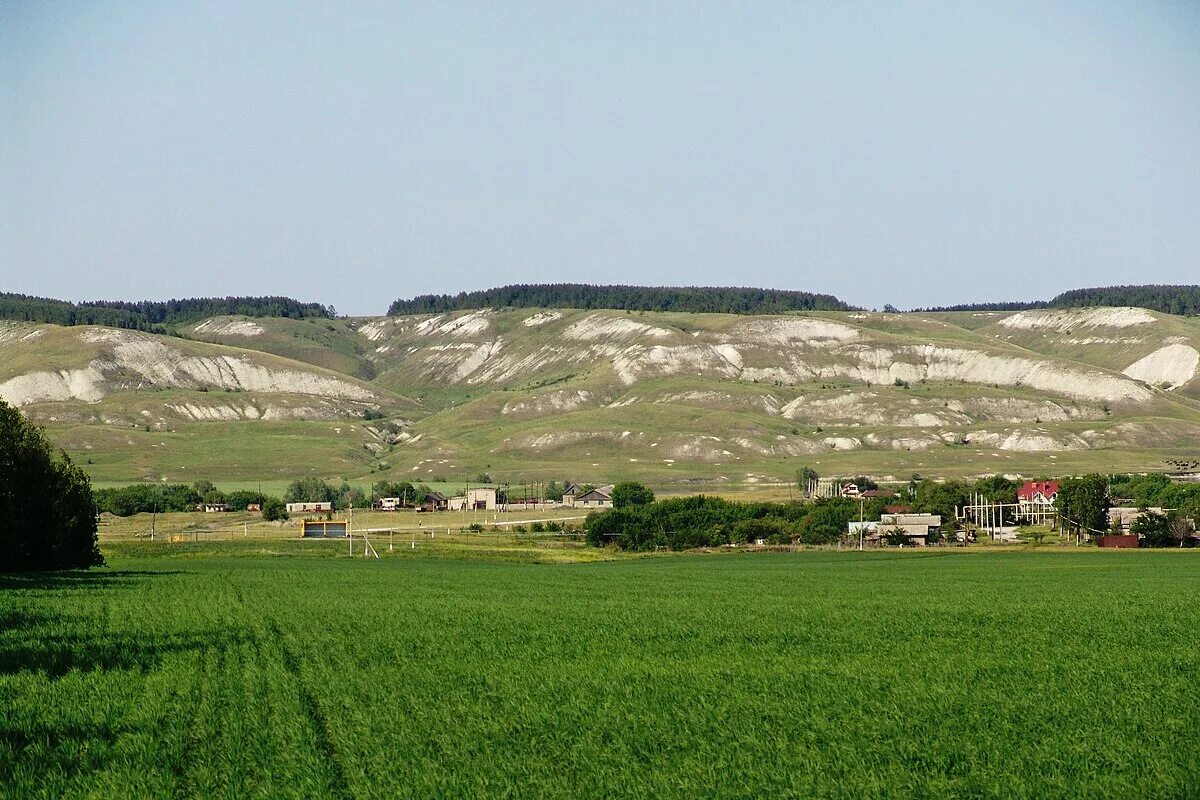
772 530
1153 530
47 511
273 509
828 521
699 521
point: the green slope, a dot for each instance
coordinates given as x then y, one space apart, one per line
673 398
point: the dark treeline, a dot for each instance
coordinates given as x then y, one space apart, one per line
1181 300
998 306
708 299
145 498
151 315
681 523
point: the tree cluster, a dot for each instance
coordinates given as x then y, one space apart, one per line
315 490
1177 299
1171 529
151 315
145 498
707 299
681 523
1183 300
47 511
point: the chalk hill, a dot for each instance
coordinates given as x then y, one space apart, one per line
594 394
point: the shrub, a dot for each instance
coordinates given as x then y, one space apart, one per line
827 521
273 509
773 530
698 521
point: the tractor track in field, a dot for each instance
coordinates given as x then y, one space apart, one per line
339 784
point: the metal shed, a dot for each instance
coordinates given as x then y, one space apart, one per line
323 529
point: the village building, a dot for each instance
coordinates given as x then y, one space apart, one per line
483 498
600 497
1125 516
1036 497
433 501
216 508
572 491
868 529
309 508
389 504
915 526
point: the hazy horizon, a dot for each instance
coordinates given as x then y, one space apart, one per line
918 156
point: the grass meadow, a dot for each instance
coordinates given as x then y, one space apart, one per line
812 674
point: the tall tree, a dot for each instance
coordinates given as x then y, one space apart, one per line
1083 503
47 512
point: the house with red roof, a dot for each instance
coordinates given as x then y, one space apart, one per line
1036 496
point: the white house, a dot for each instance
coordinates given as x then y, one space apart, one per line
309 508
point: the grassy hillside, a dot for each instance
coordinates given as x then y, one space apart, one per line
677 399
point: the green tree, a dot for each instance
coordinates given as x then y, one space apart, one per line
309 490
202 488
631 493
827 521
1083 503
804 477
997 489
273 509
47 511
941 498
239 499
1152 529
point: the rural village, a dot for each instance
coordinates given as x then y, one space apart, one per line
599 401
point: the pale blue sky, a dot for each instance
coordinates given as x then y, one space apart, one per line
916 154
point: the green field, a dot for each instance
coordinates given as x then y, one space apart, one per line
965 674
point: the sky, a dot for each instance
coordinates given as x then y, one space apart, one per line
351 153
